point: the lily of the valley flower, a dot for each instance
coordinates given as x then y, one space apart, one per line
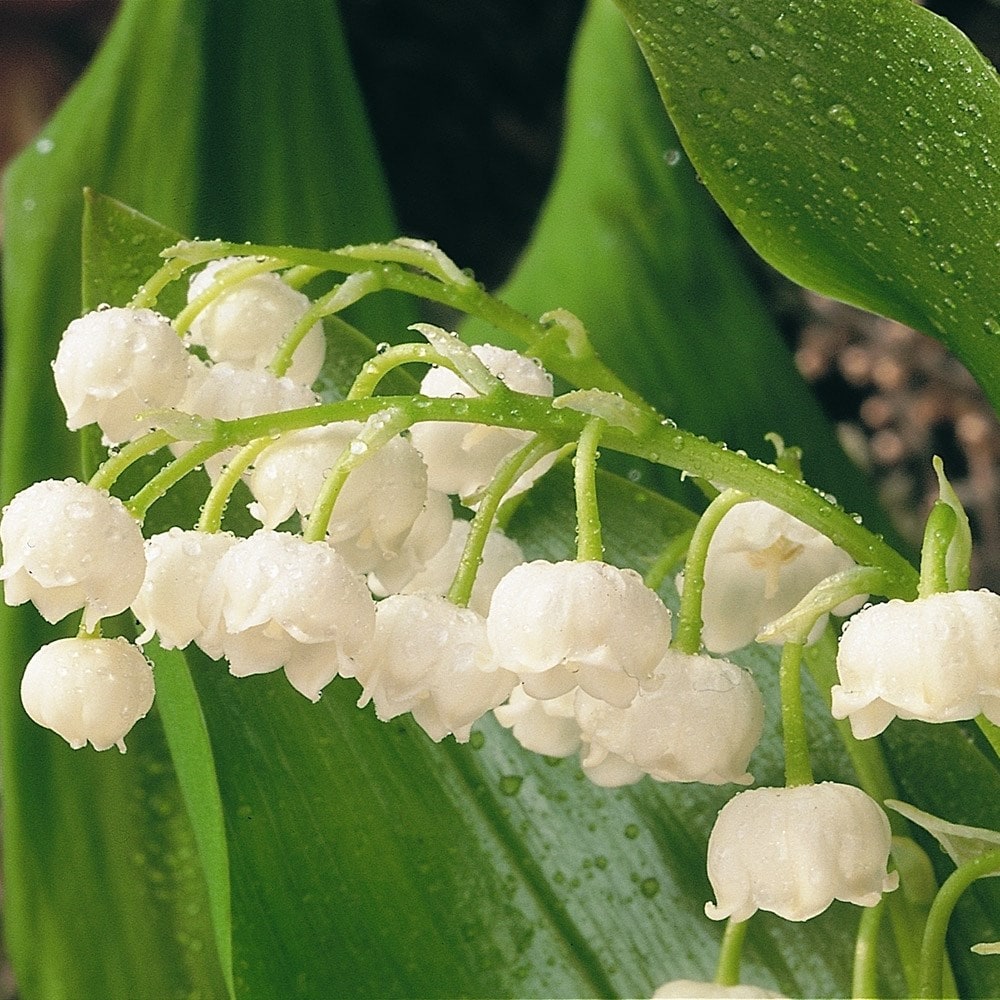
793 851
587 624
690 989
88 690
699 720
246 324
67 546
761 562
114 365
933 659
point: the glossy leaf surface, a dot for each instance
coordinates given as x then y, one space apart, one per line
854 144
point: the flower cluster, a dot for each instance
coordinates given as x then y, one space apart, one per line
377 559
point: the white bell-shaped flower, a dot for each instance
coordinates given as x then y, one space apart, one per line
225 392
548 727
793 851
700 720
380 501
272 596
432 659
559 625
761 562
462 458
114 365
178 564
500 555
933 659
394 570
88 690
690 989
67 546
246 324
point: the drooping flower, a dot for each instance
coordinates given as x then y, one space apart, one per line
432 659
462 458
699 720
793 851
114 365
88 690
377 506
273 598
226 392
933 659
178 564
246 324
500 555
67 546
761 562
547 727
587 624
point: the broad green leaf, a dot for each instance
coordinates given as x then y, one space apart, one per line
630 242
100 842
854 144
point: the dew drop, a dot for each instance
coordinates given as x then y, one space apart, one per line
991 325
842 115
631 831
757 51
510 784
649 887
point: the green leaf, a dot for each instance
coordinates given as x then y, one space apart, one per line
854 145
630 242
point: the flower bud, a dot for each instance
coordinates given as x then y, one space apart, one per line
761 562
793 851
114 365
559 625
462 458
88 690
432 659
68 546
246 324
933 659
699 720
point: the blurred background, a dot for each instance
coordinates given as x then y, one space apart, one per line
494 73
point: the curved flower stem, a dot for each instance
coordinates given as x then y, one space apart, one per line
218 497
932 950
689 621
589 546
795 736
669 558
149 291
385 361
381 428
472 555
864 978
169 476
115 464
727 971
938 534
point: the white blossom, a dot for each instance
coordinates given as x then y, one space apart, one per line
113 365
699 720
67 546
393 571
548 727
690 989
225 392
793 851
432 659
272 597
380 501
88 690
761 562
462 458
246 324
178 564
586 624
500 555
933 659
